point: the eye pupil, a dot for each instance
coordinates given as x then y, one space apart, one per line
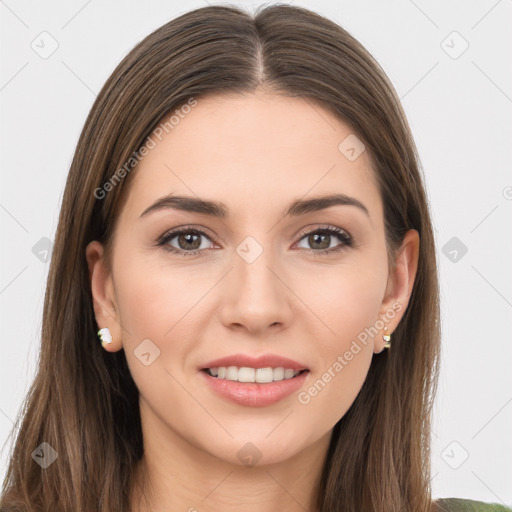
314 238
187 237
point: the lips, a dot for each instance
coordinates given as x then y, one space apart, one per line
253 394
263 361
248 380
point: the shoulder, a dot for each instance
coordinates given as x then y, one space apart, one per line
465 505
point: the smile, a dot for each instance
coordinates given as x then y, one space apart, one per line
247 374
252 393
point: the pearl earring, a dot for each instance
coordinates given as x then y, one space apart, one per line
105 336
387 338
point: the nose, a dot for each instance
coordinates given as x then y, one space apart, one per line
256 296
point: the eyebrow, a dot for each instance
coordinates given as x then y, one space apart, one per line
219 210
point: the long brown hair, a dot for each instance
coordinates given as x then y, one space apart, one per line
83 401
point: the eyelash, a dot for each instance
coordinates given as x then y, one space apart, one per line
343 236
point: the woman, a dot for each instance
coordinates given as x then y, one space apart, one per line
241 365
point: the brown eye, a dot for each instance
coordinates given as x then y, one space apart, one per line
320 240
186 242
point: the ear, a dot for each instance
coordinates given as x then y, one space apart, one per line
400 285
103 295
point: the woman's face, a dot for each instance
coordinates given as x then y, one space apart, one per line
255 281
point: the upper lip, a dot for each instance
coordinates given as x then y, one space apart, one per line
263 361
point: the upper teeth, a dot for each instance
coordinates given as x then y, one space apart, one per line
245 374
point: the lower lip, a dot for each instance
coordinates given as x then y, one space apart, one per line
254 394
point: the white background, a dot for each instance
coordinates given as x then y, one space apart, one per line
460 113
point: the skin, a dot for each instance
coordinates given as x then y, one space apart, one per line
255 153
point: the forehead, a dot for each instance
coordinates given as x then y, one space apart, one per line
253 152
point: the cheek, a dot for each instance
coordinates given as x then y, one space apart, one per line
346 299
156 303
155 293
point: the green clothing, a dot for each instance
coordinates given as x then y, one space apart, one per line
464 505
